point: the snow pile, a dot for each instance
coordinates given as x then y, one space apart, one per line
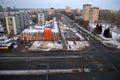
77 45
112 43
45 46
92 26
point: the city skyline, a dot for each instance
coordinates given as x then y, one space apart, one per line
107 4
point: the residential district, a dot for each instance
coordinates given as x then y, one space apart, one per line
47 42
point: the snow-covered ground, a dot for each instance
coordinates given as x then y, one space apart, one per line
111 42
77 45
45 46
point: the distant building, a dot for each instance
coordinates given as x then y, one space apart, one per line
1 8
51 11
86 11
78 11
94 14
113 11
8 9
3 14
3 23
68 9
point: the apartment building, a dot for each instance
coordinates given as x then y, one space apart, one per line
90 13
16 23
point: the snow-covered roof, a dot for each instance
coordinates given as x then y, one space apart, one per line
38 28
32 30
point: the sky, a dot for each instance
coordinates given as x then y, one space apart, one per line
102 4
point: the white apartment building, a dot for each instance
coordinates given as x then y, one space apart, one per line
41 18
17 23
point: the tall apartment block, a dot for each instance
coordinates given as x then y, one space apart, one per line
90 13
86 11
68 9
16 23
94 14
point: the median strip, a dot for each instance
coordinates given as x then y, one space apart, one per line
46 57
38 72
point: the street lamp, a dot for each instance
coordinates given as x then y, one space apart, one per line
47 71
26 57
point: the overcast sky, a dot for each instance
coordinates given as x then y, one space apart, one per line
103 4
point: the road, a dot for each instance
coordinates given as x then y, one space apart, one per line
103 62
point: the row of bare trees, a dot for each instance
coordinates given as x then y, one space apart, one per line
56 14
80 21
112 18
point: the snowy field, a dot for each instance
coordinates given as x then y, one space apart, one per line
110 42
45 46
77 45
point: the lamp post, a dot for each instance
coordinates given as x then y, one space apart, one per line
26 57
47 71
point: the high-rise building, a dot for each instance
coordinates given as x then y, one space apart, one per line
90 13
68 9
86 11
94 14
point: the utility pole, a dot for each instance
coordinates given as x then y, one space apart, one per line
26 57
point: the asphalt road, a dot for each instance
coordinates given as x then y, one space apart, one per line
73 76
